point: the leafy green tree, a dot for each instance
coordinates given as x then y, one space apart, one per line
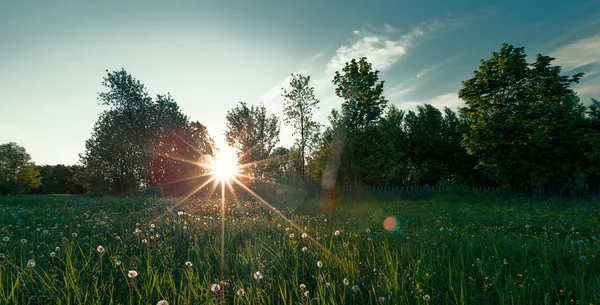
60 179
254 134
358 85
298 105
518 112
391 160
364 104
591 142
18 174
118 154
174 166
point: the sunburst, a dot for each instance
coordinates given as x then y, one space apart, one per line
224 169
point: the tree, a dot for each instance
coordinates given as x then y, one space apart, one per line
298 105
173 167
521 119
18 174
254 134
362 109
362 92
123 139
60 179
591 142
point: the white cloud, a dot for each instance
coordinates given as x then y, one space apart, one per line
578 53
318 55
273 95
381 49
428 70
449 100
586 91
401 89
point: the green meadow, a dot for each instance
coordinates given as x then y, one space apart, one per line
445 249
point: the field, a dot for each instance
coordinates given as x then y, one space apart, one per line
441 250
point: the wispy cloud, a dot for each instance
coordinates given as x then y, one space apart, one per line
318 55
449 100
383 47
272 96
401 89
579 53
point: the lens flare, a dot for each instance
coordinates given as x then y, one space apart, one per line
224 166
390 223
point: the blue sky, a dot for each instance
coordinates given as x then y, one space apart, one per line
211 54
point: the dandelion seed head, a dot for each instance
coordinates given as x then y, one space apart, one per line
241 292
215 288
31 263
100 249
162 302
189 264
320 264
132 274
346 281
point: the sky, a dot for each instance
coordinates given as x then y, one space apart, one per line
211 54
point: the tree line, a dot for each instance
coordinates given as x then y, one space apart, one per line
522 126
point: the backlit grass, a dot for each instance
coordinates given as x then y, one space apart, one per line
442 250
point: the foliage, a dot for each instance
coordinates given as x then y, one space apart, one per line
18 173
254 134
126 136
173 165
361 110
60 179
523 119
298 105
362 92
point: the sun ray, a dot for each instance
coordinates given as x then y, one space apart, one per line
188 178
272 208
246 165
172 207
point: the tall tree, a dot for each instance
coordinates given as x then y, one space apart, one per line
118 153
254 134
18 174
60 179
173 167
362 92
298 105
591 142
518 113
364 104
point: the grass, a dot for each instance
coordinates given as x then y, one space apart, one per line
442 250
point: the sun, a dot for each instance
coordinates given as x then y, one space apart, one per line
224 166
